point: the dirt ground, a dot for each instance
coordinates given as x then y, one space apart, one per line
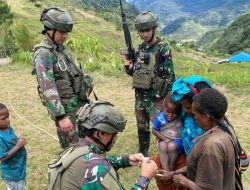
31 120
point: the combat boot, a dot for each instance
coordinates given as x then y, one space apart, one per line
144 142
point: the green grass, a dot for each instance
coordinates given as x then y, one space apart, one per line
18 92
236 77
84 22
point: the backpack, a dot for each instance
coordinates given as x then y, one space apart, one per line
56 167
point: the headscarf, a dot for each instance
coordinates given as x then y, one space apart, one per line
180 87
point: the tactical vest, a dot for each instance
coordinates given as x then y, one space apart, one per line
57 166
67 157
71 83
144 76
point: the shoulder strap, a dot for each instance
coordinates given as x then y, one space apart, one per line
65 160
76 153
41 45
238 179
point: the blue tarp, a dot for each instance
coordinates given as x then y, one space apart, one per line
241 57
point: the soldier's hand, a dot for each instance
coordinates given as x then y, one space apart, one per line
136 159
148 168
66 125
127 64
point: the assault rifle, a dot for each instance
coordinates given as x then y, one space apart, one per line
129 51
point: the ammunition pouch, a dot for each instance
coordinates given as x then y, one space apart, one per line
143 76
162 86
77 85
86 87
64 88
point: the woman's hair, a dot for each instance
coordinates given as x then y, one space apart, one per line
199 86
212 102
2 106
169 100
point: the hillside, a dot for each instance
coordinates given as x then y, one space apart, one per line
88 13
109 10
85 21
176 15
184 30
235 38
209 38
31 120
231 40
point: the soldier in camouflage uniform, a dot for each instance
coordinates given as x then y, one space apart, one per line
153 75
62 86
101 122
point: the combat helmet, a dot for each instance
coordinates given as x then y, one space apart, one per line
146 20
101 115
56 18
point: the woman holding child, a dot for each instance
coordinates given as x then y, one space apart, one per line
183 91
212 158
212 149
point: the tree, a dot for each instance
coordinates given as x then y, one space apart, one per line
6 14
8 44
22 36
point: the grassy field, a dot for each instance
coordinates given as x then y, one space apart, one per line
30 119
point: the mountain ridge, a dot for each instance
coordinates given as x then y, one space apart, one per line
202 14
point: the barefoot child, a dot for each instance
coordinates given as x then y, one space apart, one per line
167 127
12 154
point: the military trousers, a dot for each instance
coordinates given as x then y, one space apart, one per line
146 109
68 139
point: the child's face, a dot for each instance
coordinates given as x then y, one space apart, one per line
187 107
4 119
170 111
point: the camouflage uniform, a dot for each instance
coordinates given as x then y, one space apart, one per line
60 86
153 75
148 103
94 171
85 165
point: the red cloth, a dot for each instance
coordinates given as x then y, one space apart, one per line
181 162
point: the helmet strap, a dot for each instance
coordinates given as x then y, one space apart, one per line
106 147
110 141
45 30
53 36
